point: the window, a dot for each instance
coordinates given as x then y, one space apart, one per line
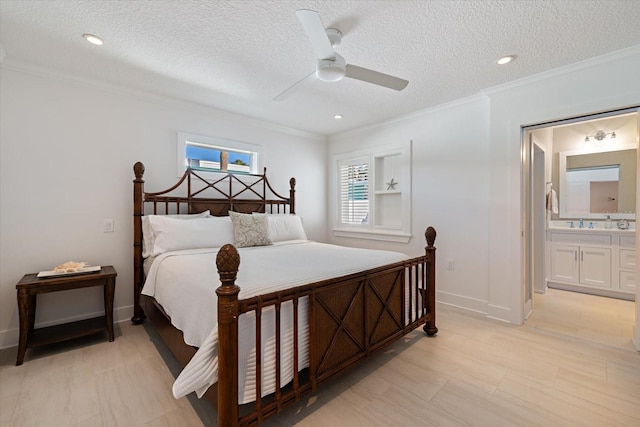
354 191
374 193
209 154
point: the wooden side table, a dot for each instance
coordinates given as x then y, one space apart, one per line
30 286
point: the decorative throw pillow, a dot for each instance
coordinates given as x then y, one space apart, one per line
250 230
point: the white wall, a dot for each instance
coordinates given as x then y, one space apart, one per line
450 187
467 173
67 151
81 142
605 83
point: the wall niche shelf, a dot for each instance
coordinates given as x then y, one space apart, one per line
388 192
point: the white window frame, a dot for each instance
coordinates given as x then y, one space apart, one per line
217 143
374 230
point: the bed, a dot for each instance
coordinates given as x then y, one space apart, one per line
312 320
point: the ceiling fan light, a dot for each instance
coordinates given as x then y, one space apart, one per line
331 70
329 74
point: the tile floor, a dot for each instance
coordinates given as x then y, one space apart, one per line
571 364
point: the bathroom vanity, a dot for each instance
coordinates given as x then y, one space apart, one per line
596 260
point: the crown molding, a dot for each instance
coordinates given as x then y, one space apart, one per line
410 116
603 59
46 72
560 71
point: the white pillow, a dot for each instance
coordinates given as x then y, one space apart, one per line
147 233
172 234
250 230
285 227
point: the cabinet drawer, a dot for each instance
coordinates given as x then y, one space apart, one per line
627 258
594 239
627 280
627 241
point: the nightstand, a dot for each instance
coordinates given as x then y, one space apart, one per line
30 286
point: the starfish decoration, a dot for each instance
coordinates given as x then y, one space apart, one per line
391 185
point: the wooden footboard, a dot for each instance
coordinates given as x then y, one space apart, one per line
349 318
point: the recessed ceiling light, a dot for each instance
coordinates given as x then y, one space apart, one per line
337 116
93 39
506 59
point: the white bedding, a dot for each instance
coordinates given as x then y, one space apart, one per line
184 282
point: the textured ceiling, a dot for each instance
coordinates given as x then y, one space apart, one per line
238 55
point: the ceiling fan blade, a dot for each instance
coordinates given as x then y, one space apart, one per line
296 86
310 20
380 79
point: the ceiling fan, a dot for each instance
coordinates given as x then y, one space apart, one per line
331 66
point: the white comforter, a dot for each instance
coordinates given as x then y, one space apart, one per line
184 282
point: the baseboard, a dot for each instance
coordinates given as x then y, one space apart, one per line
592 291
461 301
10 337
497 312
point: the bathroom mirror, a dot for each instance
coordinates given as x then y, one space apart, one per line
593 184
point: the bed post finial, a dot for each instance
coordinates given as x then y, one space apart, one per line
292 195
228 261
138 170
430 235
430 291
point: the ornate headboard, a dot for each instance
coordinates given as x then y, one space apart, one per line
219 193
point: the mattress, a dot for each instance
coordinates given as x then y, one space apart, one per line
184 283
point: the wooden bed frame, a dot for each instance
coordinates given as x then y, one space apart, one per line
350 317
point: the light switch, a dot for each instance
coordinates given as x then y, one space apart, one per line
107 225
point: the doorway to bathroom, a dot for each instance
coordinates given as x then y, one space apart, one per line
580 203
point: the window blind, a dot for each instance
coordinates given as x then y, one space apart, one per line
354 192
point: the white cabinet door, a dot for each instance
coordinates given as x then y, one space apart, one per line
595 266
564 263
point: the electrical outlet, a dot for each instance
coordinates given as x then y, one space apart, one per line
107 225
451 265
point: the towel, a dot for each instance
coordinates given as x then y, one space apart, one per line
552 201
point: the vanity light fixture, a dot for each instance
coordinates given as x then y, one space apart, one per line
599 135
93 39
337 116
506 59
